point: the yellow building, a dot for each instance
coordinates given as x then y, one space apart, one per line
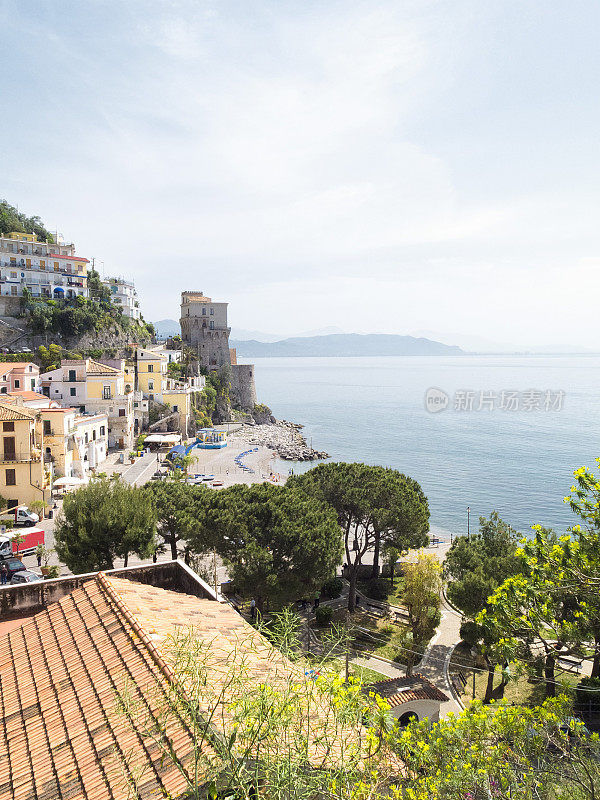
153 386
151 371
94 388
22 476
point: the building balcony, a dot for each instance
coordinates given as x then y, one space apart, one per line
19 457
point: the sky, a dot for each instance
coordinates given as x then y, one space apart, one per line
381 166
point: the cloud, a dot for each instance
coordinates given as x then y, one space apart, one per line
355 154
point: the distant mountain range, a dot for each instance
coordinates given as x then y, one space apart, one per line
170 327
345 344
167 327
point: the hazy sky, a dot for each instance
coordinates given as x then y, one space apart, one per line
379 166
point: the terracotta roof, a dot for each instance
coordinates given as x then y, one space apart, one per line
9 413
69 258
59 734
28 394
194 297
96 368
60 671
10 365
402 690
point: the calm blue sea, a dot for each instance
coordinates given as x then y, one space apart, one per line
518 462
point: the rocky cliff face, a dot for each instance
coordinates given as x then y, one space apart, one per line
112 341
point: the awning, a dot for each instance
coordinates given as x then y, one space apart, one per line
163 438
68 481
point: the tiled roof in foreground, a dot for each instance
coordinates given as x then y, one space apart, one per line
60 673
9 413
402 690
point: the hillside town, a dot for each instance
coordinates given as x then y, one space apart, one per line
141 497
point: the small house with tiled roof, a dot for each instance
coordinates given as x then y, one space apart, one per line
17 376
410 696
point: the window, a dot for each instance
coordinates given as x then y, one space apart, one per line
47 428
28 262
10 477
73 391
56 266
85 438
42 264
17 383
106 393
203 312
7 427
212 325
102 430
121 412
175 408
150 385
3 390
33 384
212 312
94 435
72 375
150 367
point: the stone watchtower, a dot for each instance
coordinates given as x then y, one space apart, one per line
204 330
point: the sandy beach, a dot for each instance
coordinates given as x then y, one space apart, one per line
221 463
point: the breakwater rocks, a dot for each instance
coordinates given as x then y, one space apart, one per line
285 439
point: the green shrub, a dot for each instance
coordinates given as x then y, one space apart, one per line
324 615
377 588
333 588
140 441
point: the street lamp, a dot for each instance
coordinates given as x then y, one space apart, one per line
468 523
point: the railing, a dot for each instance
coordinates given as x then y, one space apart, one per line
16 457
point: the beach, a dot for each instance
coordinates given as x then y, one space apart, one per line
222 464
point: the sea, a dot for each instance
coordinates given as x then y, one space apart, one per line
480 432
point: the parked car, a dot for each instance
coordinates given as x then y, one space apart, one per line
24 576
13 565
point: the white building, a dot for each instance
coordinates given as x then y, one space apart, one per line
410 697
47 270
124 296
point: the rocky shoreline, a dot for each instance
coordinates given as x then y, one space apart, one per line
285 439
